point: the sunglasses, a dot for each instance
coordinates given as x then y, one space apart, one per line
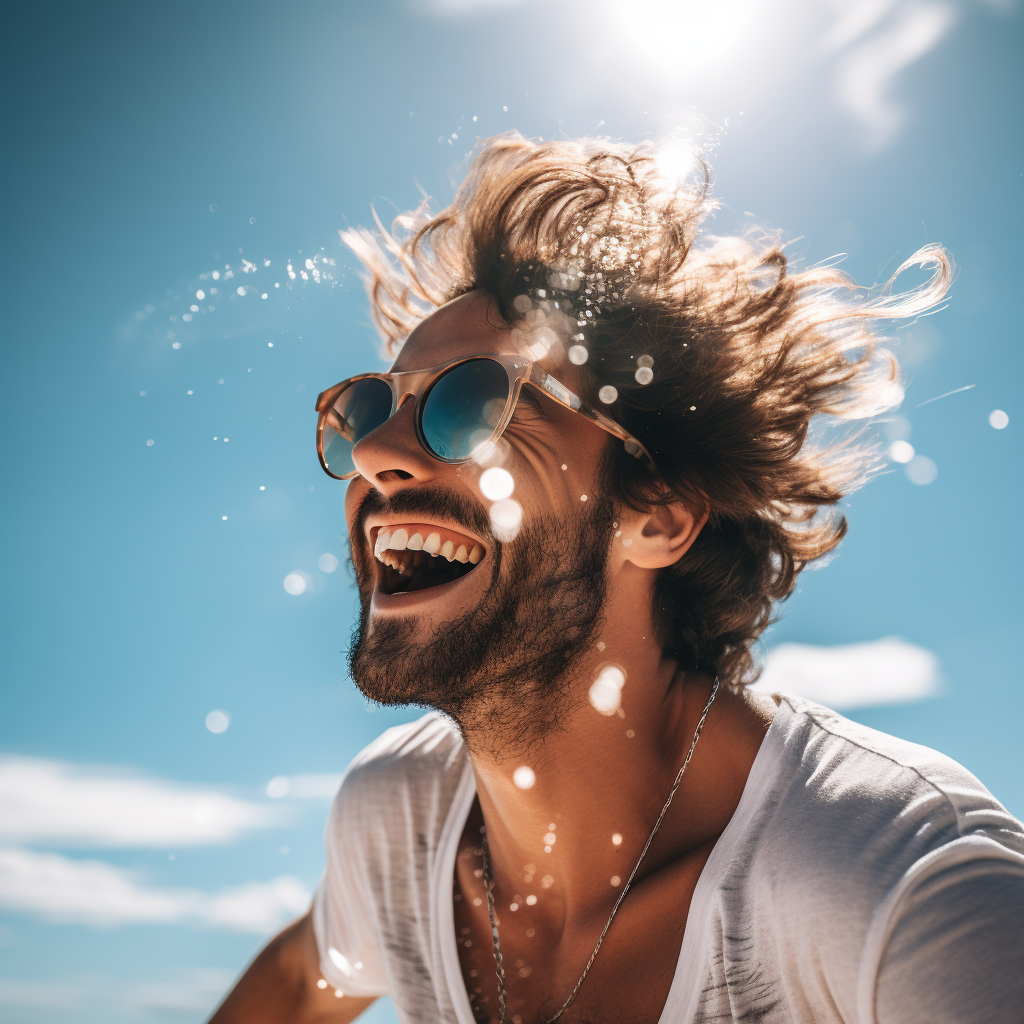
460 405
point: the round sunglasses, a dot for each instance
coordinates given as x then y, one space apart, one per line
460 405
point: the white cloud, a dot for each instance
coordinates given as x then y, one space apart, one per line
94 892
43 801
889 671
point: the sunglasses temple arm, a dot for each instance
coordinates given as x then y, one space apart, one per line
561 394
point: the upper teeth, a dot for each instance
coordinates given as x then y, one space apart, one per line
399 540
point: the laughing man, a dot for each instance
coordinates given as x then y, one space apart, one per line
596 467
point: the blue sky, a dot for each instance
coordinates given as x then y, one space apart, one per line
150 145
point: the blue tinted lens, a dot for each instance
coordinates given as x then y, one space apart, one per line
463 408
359 409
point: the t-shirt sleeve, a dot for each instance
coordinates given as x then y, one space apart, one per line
344 908
951 949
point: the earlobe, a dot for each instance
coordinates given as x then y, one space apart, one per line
657 538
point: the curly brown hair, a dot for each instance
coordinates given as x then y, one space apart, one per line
747 361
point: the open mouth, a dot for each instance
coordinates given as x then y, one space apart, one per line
414 556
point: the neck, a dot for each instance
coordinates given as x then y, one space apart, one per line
568 813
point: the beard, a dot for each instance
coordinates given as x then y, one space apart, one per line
502 670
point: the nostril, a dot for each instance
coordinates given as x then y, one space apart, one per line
391 475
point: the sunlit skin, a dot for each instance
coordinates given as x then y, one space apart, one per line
597 777
593 779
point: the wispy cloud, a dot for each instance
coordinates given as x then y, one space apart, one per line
875 42
889 671
58 804
41 995
94 892
190 993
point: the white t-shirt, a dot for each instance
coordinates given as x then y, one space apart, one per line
861 879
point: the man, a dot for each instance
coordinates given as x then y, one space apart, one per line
592 473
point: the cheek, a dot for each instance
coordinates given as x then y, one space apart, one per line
355 491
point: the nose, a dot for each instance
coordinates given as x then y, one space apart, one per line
391 456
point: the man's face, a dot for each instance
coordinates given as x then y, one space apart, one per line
471 639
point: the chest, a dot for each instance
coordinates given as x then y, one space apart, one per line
629 980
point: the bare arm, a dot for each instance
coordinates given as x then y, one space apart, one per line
280 986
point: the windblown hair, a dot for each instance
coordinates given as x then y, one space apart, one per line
747 360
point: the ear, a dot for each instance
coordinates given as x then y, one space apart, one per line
655 539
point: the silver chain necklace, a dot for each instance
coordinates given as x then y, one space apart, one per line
489 884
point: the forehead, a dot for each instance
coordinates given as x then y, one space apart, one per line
468 325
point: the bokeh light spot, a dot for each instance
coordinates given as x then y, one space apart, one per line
606 690
496 483
608 394
998 419
218 721
506 517
901 451
578 355
295 583
278 787
921 470
327 562
524 777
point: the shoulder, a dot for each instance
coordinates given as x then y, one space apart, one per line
842 832
855 782
406 769
840 817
